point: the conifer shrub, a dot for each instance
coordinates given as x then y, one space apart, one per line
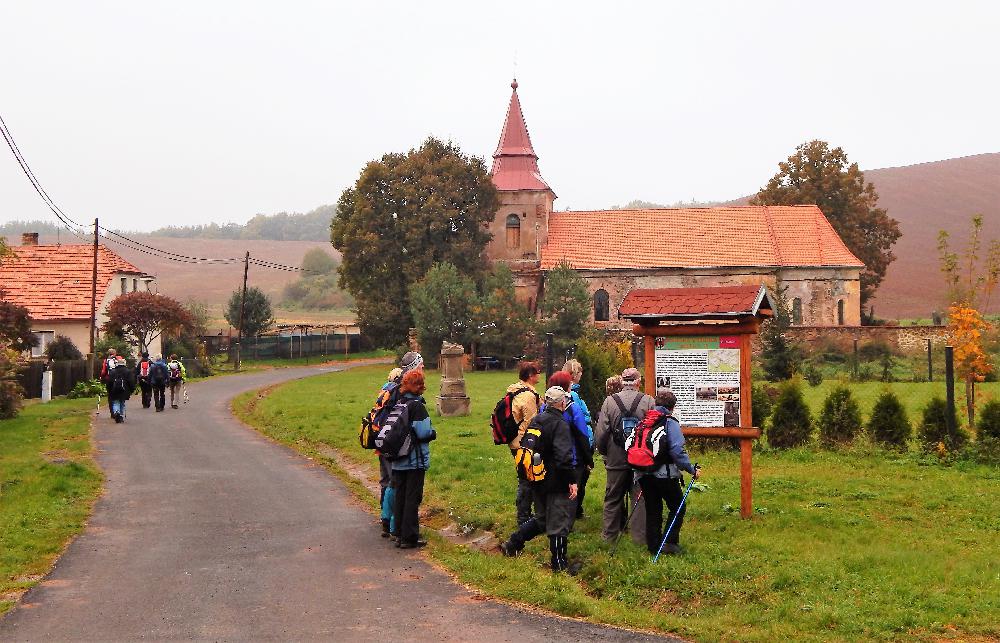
933 429
889 425
988 423
791 423
763 397
841 419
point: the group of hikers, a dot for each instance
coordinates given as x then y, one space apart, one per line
552 439
152 376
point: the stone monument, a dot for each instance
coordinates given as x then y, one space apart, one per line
452 401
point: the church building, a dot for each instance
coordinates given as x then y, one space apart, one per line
616 251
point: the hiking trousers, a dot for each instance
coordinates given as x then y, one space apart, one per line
408 485
159 396
175 392
554 516
147 393
656 491
523 501
617 505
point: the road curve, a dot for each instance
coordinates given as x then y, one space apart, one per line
208 531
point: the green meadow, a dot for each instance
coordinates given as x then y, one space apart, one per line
48 484
844 545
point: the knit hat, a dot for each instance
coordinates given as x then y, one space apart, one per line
554 395
411 361
631 375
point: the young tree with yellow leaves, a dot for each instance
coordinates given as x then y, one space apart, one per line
971 281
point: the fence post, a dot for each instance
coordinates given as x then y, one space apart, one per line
855 357
930 363
548 358
949 377
47 385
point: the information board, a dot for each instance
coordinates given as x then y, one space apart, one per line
703 371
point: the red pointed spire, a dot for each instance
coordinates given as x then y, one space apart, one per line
515 164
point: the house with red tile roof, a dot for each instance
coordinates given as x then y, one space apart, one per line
54 282
617 251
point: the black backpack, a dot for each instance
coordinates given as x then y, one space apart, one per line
627 421
502 421
119 383
395 437
158 373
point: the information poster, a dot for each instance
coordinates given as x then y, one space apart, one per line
704 373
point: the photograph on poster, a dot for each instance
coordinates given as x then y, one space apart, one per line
706 393
662 381
731 414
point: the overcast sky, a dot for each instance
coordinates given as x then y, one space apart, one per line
148 114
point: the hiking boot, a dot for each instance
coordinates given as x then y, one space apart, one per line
574 568
385 528
508 550
173 406
412 544
673 549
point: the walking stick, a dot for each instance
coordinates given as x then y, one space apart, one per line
625 528
676 515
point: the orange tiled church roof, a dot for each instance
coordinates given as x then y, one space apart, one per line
764 236
54 282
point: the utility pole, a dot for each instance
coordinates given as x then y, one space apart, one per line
93 304
243 305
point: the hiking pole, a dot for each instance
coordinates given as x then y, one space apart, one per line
676 515
625 528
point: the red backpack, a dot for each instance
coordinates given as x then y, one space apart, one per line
639 449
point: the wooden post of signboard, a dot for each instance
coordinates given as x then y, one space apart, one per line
746 433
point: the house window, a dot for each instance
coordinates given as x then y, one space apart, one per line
135 285
840 312
513 231
44 338
124 285
601 306
797 311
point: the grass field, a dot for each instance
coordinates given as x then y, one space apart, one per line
249 365
849 545
48 483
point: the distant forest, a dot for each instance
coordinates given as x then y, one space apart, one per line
284 226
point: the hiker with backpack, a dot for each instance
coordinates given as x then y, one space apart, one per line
656 452
142 376
620 414
158 377
121 384
546 456
176 374
576 416
410 463
107 365
510 419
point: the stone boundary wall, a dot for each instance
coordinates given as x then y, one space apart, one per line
905 338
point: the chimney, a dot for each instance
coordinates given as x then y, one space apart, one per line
29 239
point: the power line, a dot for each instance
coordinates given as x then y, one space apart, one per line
117 237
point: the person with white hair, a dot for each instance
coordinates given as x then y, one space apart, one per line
548 448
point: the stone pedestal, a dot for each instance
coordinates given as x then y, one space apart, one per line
452 401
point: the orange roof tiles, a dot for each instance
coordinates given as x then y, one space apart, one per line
515 164
722 301
758 236
54 282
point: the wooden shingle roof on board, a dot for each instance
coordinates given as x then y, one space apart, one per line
678 304
732 236
54 281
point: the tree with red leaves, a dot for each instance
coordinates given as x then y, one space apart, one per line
143 316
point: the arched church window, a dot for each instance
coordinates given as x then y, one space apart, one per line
797 310
840 312
513 231
602 310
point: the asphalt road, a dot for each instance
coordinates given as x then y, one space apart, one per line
207 531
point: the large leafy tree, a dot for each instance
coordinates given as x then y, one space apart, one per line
141 317
565 305
405 213
442 304
257 314
503 325
817 174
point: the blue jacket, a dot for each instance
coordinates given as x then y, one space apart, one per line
420 456
672 439
575 393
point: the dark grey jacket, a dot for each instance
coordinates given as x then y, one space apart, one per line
558 450
614 455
